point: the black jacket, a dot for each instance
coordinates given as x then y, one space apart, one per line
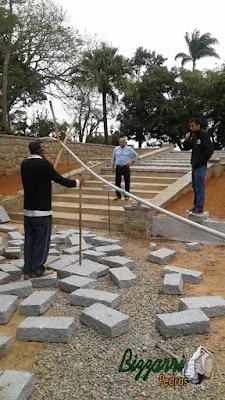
202 148
37 176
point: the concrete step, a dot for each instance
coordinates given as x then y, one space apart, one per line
134 185
144 179
147 194
90 199
165 164
96 209
174 173
88 221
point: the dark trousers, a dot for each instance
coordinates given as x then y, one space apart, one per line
198 184
37 242
123 171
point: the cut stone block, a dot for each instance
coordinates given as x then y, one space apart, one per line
106 320
68 232
6 345
63 262
87 297
88 269
16 385
93 255
3 216
212 306
199 218
161 256
37 303
88 237
12 252
76 249
2 260
15 236
188 275
123 277
46 329
21 289
55 239
182 323
193 246
8 305
15 273
113 250
45 281
53 245
153 247
18 263
53 252
173 284
102 241
16 243
8 228
4 278
74 240
75 282
117 262
51 260
1 241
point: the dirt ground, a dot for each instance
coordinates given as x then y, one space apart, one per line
210 260
214 201
10 185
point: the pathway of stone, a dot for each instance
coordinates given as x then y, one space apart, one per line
101 257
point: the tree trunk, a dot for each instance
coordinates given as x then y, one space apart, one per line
105 118
194 65
5 70
139 143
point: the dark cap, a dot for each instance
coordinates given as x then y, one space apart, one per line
36 146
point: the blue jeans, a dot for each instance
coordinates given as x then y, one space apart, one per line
198 184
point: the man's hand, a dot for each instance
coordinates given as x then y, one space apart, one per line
131 163
113 168
188 136
81 179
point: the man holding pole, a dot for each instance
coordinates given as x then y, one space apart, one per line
37 176
121 159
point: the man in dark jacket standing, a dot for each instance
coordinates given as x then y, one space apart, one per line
37 176
202 149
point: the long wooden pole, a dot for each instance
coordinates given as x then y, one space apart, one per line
55 123
80 225
65 140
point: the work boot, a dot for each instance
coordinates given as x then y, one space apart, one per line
45 273
117 198
126 198
198 210
192 209
26 277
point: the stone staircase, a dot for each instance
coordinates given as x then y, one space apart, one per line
151 176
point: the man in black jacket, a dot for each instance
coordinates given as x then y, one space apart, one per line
202 149
37 176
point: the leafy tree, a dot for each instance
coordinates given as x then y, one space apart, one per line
109 72
199 46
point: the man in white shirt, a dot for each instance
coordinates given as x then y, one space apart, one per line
121 162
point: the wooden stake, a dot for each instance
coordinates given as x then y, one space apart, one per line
80 225
170 353
65 140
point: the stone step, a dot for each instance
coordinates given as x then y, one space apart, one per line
212 306
147 194
21 289
150 172
134 185
173 284
93 200
122 277
46 329
142 179
88 221
87 208
75 282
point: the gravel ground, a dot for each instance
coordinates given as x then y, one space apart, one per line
87 368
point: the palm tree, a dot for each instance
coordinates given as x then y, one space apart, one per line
109 72
199 46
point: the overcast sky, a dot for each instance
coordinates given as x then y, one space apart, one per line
157 25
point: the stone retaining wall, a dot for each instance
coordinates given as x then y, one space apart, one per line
14 149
